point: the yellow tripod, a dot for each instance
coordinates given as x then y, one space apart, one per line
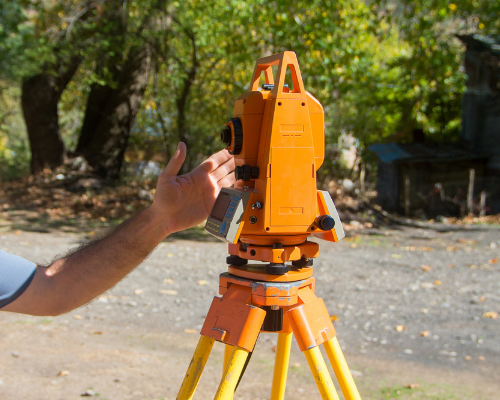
252 302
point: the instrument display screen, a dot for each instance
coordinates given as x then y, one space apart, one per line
221 206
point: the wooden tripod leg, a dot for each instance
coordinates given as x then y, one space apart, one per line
321 374
231 374
195 369
341 369
281 365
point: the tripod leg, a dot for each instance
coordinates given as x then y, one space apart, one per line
281 365
195 369
341 369
321 374
231 374
227 353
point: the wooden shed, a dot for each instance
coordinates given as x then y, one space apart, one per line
431 179
452 178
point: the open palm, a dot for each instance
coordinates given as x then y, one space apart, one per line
186 200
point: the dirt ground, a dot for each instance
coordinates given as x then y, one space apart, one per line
414 307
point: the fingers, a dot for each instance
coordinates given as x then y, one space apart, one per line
215 160
227 181
223 169
174 165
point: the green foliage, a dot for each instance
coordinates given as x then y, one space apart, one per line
14 149
380 68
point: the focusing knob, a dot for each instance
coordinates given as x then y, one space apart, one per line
325 222
246 172
238 136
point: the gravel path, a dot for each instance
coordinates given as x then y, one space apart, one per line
413 306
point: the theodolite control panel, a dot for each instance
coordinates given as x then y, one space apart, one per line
226 218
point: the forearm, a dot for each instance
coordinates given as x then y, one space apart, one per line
76 279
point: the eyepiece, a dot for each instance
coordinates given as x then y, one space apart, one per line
225 135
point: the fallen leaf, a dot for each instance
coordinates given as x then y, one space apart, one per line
334 317
467 241
190 331
273 349
400 328
427 248
490 314
451 248
481 358
493 261
76 316
467 358
138 292
425 333
437 282
170 255
296 365
201 282
169 292
473 266
413 386
451 266
427 285
426 268
396 244
354 245
482 298
168 281
396 256
98 333
63 373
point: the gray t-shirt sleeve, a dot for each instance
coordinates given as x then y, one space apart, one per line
16 274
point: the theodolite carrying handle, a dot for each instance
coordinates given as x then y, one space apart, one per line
287 59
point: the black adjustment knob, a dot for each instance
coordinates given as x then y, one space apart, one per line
246 172
276 269
238 136
303 262
236 261
325 222
225 135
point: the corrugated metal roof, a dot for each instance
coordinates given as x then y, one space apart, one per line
417 152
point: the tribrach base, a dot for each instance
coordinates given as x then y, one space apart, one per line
237 318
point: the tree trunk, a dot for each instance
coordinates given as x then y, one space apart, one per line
110 115
39 100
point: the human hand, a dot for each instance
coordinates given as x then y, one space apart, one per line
185 201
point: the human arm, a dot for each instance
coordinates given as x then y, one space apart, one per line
179 203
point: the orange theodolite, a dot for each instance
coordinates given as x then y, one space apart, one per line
277 137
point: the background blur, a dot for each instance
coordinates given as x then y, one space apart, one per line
117 84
